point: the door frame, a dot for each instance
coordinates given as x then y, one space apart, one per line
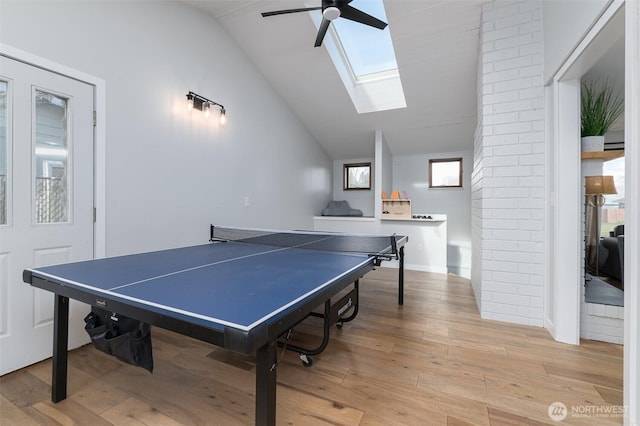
99 135
566 326
632 211
563 318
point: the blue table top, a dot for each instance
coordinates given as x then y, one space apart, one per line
223 284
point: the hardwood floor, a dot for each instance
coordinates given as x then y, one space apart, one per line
432 361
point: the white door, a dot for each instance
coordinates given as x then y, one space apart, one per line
46 201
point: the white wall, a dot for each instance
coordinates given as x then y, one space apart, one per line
411 174
169 174
632 211
383 172
565 23
363 199
386 160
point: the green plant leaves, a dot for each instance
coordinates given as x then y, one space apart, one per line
601 107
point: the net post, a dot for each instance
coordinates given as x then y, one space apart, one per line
211 233
401 277
394 245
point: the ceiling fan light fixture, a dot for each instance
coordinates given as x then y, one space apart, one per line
331 13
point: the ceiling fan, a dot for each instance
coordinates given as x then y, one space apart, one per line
331 10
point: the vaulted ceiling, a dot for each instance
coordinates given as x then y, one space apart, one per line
436 45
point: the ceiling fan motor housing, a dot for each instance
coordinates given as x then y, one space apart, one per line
330 9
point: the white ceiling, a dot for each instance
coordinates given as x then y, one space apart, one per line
436 44
610 69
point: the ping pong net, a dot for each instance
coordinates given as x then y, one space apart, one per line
382 247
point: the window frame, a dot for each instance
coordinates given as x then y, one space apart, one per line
345 176
435 161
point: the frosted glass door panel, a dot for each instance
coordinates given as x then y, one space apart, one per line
4 152
51 152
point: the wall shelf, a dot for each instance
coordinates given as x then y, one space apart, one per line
602 155
397 208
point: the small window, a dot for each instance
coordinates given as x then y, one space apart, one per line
445 173
357 176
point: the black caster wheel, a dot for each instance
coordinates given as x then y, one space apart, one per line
307 361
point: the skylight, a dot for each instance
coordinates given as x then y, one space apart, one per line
365 59
368 50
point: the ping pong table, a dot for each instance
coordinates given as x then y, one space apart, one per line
243 291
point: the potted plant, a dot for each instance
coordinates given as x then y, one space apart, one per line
601 107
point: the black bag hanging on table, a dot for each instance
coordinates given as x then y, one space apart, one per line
127 339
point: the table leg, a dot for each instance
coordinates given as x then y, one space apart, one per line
60 347
266 364
401 277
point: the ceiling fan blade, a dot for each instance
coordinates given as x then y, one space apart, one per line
282 12
324 26
353 14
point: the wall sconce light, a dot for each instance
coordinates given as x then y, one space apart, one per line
195 101
595 189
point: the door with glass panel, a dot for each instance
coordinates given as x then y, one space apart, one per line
46 201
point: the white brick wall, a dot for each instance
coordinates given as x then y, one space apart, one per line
508 176
601 322
478 181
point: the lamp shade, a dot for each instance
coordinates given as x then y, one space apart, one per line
595 185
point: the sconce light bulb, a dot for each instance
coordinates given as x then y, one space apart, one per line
189 102
223 116
206 109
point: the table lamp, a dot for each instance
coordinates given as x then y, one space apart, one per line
595 189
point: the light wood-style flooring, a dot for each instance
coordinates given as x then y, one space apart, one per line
432 361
